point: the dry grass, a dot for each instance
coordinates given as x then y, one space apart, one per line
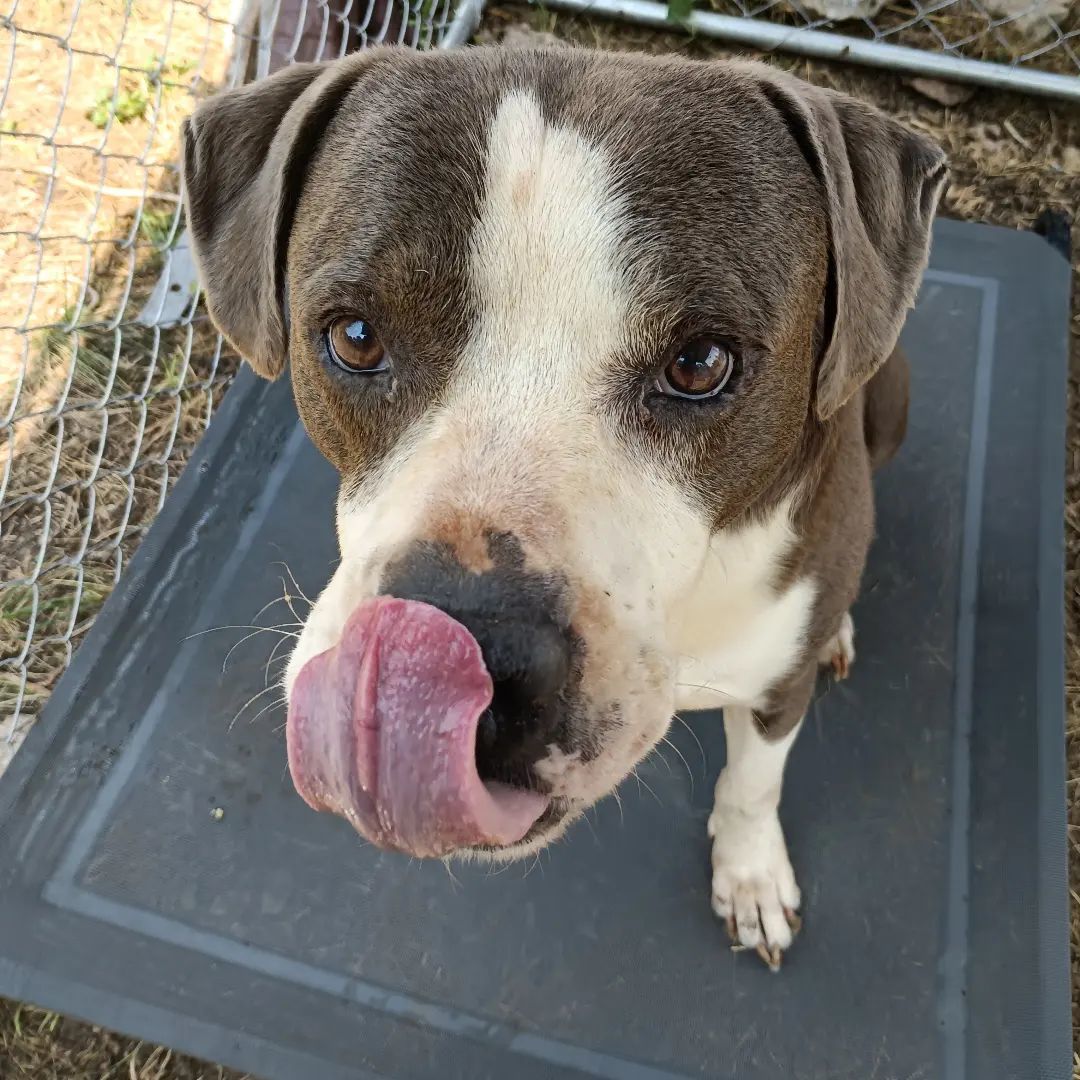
98 411
94 97
39 1045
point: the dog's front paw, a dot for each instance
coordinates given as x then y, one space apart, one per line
753 885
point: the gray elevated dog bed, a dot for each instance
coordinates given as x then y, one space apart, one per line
159 875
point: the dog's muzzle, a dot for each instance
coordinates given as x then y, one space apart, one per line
421 726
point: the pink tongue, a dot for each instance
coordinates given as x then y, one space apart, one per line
382 730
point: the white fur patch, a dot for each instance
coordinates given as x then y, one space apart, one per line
556 767
735 636
545 261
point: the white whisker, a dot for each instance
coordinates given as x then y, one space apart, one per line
690 776
255 633
618 803
270 604
250 701
637 776
533 865
702 686
592 828
273 653
701 749
446 863
660 757
266 708
242 626
296 585
288 598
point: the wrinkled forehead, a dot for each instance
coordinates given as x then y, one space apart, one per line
667 186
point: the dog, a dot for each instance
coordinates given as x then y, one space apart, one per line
603 347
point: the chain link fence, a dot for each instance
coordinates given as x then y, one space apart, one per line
1041 35
1030 46
109 368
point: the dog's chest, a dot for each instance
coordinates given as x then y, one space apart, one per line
739 635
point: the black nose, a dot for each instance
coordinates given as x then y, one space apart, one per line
528 662
529 665
514 616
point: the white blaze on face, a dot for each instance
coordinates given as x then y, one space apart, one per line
546 268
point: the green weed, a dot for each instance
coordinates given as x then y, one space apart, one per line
123 103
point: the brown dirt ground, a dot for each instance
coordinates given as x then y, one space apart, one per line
1012 157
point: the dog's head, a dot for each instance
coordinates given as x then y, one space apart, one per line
561 320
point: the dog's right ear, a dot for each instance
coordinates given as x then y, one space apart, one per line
245 158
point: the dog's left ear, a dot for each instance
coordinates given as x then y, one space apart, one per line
881 184
246 153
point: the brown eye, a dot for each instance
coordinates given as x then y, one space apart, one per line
701 368
354 346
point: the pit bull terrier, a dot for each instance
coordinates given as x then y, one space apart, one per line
603 348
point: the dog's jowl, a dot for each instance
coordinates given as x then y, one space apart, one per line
603 348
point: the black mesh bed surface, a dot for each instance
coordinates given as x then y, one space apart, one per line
924 802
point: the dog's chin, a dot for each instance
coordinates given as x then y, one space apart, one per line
552 824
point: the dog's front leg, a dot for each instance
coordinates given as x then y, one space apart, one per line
753 884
